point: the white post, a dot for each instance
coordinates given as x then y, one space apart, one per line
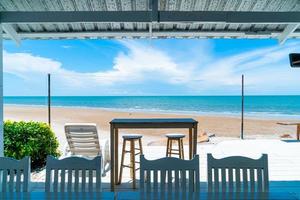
1 94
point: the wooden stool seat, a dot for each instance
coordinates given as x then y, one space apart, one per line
131 138
177 137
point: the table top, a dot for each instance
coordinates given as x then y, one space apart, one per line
154 121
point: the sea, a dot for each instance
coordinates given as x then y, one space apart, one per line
256 106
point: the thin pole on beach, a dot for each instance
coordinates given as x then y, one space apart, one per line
49 99
242 113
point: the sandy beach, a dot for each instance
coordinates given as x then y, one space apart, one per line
220 126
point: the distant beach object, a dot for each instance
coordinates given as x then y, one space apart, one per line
286 135
292 124
294 59
203 137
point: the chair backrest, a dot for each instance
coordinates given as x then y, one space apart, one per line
167 175
73 174
83 139
237 174
14 174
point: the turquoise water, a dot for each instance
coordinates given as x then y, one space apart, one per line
231 105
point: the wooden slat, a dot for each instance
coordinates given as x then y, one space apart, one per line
55 181
148 180
230 179
142 180
90 181
83 180
169 181
62 180
191 181
223 179
4 180
176 172
245 180
259 180
1 179
18 180
155 181
70 177
11 179
209 177
216 179
238 179
76 185
183 181
162 182
98 179
252 180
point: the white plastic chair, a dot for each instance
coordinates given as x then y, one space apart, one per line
73 174
83 140
169 176
237 174
14 174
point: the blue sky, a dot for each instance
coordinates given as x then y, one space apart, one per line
150 67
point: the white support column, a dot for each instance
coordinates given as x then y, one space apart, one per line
289 29
12 33
1 93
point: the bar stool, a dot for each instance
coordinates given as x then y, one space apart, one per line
175 137
131 138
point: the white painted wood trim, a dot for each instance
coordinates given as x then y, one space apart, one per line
232 174
168 175
63 175
11 172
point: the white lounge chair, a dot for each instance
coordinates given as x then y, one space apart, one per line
83 141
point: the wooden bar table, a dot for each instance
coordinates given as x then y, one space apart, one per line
292 124
156 123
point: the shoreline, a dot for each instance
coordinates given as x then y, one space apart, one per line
257 115
219 126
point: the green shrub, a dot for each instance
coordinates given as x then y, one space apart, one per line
34 139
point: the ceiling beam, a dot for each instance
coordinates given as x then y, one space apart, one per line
12 33
289 29
150 16
145 34
74 16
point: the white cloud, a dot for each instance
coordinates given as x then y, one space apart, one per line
66 46
143 62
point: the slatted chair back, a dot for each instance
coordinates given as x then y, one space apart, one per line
83 139
169 175
14 174
73 174
237 174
